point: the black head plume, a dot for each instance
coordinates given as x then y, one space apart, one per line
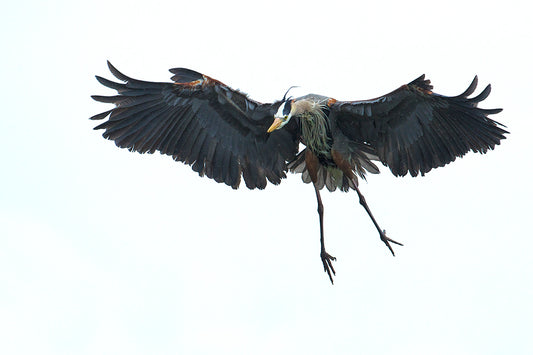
286 92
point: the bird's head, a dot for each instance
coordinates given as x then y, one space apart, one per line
282 116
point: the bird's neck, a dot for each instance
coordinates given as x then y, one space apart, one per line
315 131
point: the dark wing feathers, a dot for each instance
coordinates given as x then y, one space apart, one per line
221 133
199 121
415 130
184 75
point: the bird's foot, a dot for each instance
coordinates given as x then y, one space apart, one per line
328 266
386 240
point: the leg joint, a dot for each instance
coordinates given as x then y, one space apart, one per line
320 209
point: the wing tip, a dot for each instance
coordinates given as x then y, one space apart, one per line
470 89
100 116
116 73
422 83
483 95
184 75
100 79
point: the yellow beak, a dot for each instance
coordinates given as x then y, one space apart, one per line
275 125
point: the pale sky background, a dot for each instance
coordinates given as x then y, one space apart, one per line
103 251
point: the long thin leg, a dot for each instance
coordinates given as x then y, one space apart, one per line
326 258
382 234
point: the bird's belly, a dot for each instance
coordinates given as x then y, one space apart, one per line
325 159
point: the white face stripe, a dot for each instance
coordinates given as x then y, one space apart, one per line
279 114
285 109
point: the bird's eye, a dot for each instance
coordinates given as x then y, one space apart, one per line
285 118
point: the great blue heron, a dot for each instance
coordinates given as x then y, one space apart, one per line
224 135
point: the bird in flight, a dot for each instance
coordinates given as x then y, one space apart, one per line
223 134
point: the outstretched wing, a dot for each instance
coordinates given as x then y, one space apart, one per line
415 130
201 122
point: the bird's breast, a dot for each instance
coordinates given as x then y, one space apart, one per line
316 135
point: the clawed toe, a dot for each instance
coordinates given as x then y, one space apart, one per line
328 266
386 240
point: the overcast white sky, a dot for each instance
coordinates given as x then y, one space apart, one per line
103 251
